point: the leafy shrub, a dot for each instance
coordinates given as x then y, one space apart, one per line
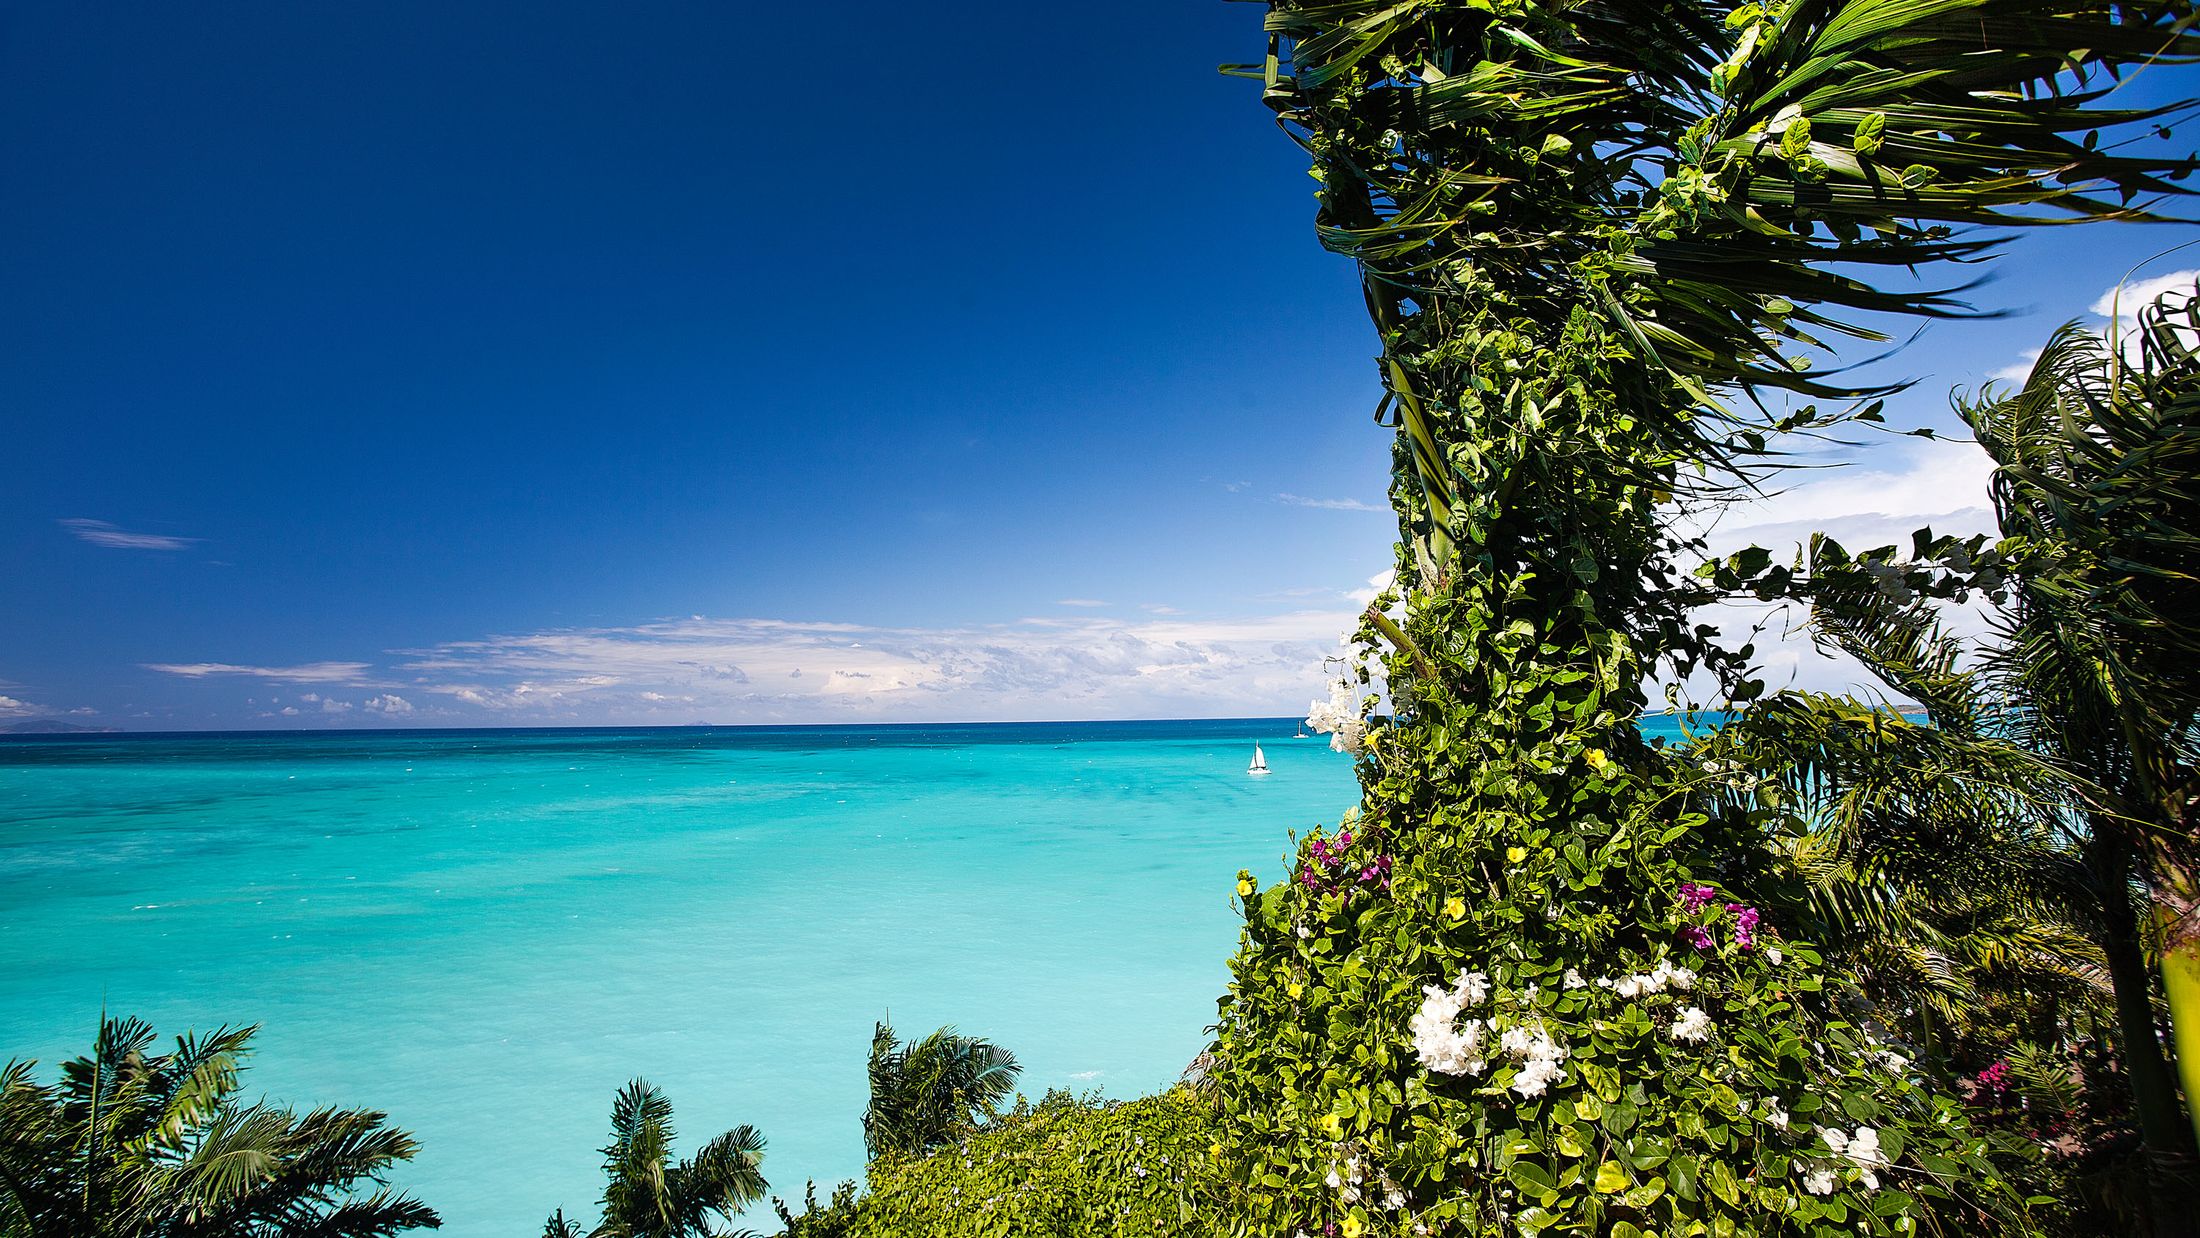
1532 984
834 1219
1068 1166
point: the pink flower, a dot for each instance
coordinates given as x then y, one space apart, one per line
1699 937
1745 924
1694 897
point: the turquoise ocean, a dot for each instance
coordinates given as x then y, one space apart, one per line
485 933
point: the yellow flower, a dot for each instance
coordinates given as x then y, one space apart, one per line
1514 855
1352 1226
1597 760
1293 989
1245 887
1215 1149
1456 908
1334 1125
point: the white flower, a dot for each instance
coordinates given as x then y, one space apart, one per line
1528 994
1536 1077
1819 1181
1515 1041
1305 932
1441 1042
1472 987
1140 1170
1666 974
1333 1181
1628 986
1340 718
1604 982
1394 1199
1776 1115
1894 1062
1693 1025
1773 956
1573 980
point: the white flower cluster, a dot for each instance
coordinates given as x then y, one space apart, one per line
1861 1149
1693 1026
1340 718
1539 1057
1348 1177
1449 1046
1657 980
1440 1040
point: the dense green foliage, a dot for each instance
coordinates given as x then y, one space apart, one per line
1063 1168
1531 983
2029 803
136 1144
929 1091
647 1195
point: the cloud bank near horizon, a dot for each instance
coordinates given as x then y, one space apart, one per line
704 669
1061 666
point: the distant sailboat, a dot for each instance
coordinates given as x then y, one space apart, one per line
1302 732
1260 762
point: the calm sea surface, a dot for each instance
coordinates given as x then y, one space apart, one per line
487 932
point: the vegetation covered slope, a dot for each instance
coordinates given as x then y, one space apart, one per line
1527 986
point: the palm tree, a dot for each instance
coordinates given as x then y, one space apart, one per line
930 1091
647 1195
2098 472
2054 780
134 1144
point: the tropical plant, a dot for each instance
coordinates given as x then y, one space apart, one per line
928 1092
2097 480
2069 734
836 1218
136 1144
1515 990
1066 1167
647 1195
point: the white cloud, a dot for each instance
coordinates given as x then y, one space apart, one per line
2119 307
1080 602
1083 667
1898 488
311 672
1334 505
2017 372
1375 584
332 706
388 703
2121 304
11 707
101 533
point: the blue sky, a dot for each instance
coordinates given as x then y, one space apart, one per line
516 364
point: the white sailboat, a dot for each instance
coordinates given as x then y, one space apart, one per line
1260 762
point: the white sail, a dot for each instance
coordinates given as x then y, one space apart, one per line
1260 762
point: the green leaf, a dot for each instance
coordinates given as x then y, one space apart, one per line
1611 1179
1870 135
1722 1183
1532 1178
